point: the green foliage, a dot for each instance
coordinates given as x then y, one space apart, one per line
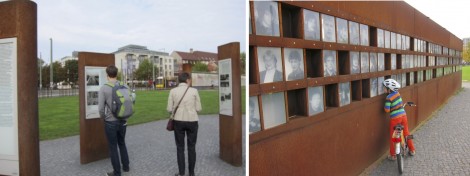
466 73
200 67
144 72
71 69
466 53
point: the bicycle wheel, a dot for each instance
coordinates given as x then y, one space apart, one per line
400 162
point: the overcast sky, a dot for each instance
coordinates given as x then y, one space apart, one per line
163 25
450 14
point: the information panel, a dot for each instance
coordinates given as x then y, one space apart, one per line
9 162
225 87
95 77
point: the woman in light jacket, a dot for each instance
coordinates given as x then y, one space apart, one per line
185 120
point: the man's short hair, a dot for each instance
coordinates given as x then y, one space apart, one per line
182 77
112 71
270 55
294 55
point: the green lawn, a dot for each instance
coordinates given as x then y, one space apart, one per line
466 73
58 117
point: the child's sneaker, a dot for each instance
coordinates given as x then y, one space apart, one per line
413 153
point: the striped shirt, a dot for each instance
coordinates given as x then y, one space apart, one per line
393 104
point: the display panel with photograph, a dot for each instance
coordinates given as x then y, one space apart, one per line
393 40
412 78
387 39
393 61
380 38
311 25
373 87
270 64
225 88
354 33
355 63
364 34
329 63
380 62
328 28
315 100
344 93
266 18
274 109
364 62
255 123
403 80
294 63
95 78
381 85
399 41
342 30
373 62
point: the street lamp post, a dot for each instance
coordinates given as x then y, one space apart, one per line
51 75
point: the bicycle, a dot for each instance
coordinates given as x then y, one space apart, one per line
401 142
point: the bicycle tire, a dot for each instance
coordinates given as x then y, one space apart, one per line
400 163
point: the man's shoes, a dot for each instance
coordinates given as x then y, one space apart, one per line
391 158
110 173
412 153
191 174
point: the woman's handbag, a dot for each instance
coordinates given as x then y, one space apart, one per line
170 126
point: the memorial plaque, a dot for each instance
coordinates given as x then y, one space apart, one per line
225 87
9 156
95 77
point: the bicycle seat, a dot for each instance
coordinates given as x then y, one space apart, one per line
398 127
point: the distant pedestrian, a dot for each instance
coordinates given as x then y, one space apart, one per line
185 120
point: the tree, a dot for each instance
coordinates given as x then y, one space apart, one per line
71 70
144 72
200 67
466 53
243 62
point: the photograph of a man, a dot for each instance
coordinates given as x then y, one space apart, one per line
381 62
393 61
270 65
266 18
364 30
329 63
373 62
364 62
342 31
255 124
315 100
380 38
295 64
353 33
328 28
311 25
344 93
355 66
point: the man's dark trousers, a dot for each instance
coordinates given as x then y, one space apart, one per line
190 129
116 133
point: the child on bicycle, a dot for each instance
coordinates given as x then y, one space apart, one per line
394 105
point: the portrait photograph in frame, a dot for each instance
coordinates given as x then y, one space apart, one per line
393 61
380 62
387 39
373 62
274 112
329 63
315 100
393 40
266 18
255 121
269 64
380 38
328 28
380 85
354 33
294 64
342 30
355 62
373 87
364 34
311 25
364 62
344 93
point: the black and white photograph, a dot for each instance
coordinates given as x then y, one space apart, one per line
399 41
342 30
311 25
355 63
364 31
344 93
380 85
380 62
403 80
380 38
329 63
393 40
255 123
373 87
315 100
404 61
274 111
393 61
328 28
266 18
412 78
354 33
294 64
387 39
92 98
93 79
364 62
270 64
373 62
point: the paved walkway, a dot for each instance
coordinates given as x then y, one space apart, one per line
442 144
152 152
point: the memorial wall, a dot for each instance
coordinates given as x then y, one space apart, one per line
316 68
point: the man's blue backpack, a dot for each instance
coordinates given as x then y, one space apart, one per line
123 103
